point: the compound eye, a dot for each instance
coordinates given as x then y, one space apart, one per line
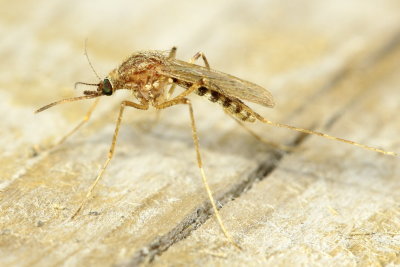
107 87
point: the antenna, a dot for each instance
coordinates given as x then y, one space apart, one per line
90 63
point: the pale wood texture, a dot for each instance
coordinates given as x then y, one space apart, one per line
331 65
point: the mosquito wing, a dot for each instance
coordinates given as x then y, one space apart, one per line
221 82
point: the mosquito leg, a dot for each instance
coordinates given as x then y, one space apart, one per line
170 91
200 54
184 93
84 120
192 88
195 86
261 139
281 125
111 151
167 97
186 101
172 53
150 125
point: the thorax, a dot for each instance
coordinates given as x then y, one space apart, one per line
146 86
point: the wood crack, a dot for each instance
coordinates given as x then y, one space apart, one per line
203 212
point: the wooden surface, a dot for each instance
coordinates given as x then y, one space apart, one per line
331 65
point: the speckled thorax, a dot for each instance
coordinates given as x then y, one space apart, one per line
145 85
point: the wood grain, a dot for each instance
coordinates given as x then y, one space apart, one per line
331 66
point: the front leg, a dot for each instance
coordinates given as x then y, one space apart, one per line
111 151
83 121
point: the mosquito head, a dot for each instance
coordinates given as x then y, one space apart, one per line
105 87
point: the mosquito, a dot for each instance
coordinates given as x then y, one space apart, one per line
152 76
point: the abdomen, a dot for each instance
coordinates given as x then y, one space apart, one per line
233 106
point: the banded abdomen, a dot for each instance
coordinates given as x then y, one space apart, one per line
232 105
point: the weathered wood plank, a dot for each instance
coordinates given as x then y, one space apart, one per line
329 66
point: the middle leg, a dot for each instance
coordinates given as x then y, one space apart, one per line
177 101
